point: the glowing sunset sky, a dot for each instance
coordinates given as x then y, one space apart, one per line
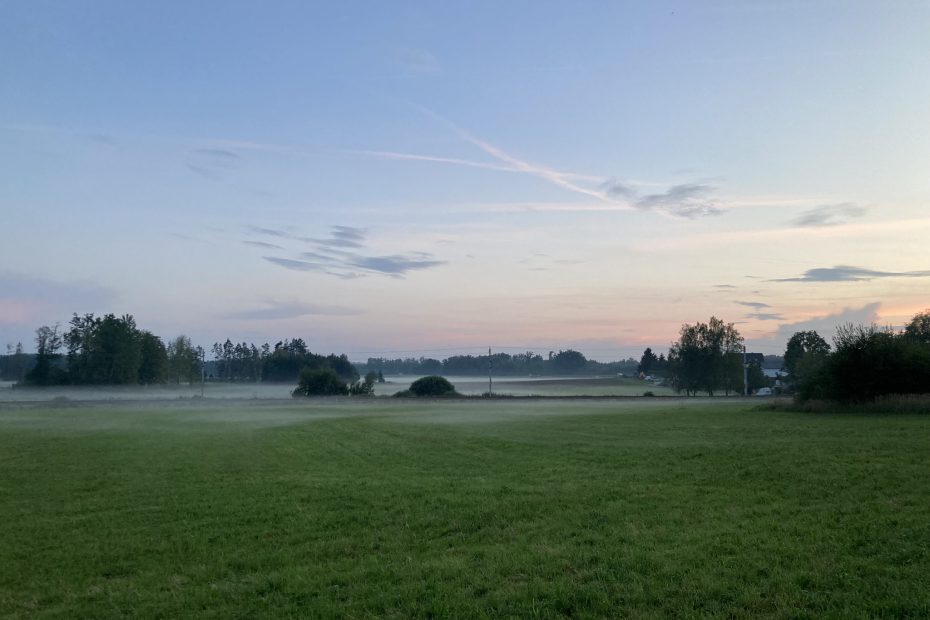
424 179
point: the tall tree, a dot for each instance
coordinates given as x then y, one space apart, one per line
184 360
16 362
918 329
801 344
707 357
648 361
119 350
154 365
569 362
48 344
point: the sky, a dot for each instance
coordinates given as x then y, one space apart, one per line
430 178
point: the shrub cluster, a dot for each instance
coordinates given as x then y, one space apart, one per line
325 381
867 363
431 386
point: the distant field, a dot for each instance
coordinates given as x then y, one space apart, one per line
645 508
538 386
471 386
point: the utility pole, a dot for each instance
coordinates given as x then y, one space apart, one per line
203 370
489 372
745 374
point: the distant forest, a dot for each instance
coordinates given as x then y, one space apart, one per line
525 364
114 350
865 362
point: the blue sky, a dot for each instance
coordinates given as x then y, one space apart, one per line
385 178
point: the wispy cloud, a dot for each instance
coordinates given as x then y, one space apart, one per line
263 244
396 264
688 242
271 232
212 163
294 265
434 159
219 154
345 265
342 237
829 215
552 176
760 313
617 189
204 172
687 200
765 316
847 273
273 310
342 255
339 236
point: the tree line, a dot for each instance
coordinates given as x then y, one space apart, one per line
864 363
113 350
109 350
529 363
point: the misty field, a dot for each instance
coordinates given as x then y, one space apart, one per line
468 386
643 508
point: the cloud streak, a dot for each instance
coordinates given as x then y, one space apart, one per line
345 264
848 273
342 237
274 311
757 305
438 160
688 201
829 215
264 245
765 316
211 163
341 255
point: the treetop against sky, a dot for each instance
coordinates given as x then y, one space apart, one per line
383 178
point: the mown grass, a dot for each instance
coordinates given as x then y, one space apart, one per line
462 509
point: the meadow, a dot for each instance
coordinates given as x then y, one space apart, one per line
474 508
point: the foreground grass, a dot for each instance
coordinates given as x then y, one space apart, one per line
462 509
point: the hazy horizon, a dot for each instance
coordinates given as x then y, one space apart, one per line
428 179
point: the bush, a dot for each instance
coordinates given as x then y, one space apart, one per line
867 363
320 382
433 385
364 388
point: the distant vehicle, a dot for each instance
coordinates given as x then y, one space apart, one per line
764 392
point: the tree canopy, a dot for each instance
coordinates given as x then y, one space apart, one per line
707 358
867 362
432 386
801 344
918 329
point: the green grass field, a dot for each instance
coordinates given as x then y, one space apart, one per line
462 509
